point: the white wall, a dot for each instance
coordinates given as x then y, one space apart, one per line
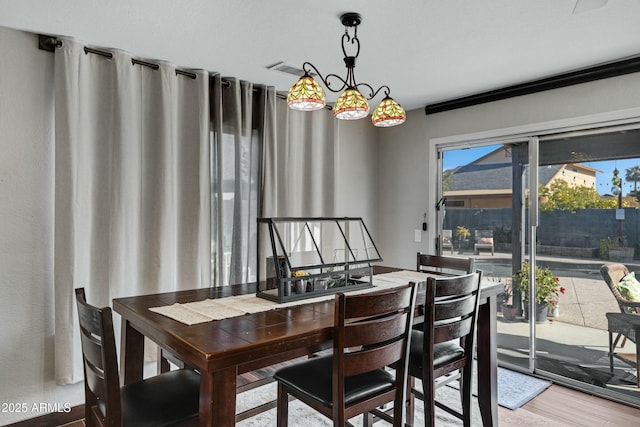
26 228
407 185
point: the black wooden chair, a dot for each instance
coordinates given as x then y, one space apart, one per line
169 399
444 264
371 331
445 344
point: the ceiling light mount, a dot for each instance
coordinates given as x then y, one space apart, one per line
307 95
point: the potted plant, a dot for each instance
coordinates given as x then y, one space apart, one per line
463 234
548 289
509 311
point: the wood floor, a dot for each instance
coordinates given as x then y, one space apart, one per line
561 406
557 406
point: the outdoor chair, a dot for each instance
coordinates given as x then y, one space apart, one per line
625 324
484 240
371 331
444 346
169 399
446 240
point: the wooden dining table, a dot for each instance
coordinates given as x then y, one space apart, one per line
223 349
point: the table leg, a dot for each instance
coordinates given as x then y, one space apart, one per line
218 398
487 354
131 354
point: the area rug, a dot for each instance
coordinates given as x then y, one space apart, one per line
301 415
516 389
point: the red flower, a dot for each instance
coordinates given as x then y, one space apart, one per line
562 290
557 279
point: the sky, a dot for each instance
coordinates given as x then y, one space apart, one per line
455 158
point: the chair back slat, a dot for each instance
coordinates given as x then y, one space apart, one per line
379 302
362 361
444 264
92 349
374 331
457 286
457 307
451 331
94 379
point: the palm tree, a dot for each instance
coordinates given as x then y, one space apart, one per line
633 175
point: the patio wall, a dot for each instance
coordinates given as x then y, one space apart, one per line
558 231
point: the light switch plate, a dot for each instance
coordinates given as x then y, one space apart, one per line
417 235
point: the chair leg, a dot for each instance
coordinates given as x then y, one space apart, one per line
611 351
367 419
410 401
465 386
429 402
637 364
282 414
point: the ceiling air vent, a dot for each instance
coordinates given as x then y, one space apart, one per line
285 68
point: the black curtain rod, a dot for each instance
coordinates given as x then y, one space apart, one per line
612 69
49 43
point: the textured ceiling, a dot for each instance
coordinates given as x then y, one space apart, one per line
426 51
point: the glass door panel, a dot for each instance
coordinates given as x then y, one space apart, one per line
585 215
476 219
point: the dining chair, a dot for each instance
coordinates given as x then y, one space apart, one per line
445 344
169 399
371 331
444 264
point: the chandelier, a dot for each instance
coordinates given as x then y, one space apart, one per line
307 95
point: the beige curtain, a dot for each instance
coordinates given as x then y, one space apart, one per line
132 196
300 164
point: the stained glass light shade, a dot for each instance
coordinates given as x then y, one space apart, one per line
351 105
388 113
306 95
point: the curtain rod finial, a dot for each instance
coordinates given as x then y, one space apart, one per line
48 43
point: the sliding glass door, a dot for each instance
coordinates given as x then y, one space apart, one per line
483 214
588 213
556 234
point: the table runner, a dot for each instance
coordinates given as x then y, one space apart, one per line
221 308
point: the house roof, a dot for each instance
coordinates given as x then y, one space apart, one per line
494 176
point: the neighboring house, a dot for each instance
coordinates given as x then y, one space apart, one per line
487 182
